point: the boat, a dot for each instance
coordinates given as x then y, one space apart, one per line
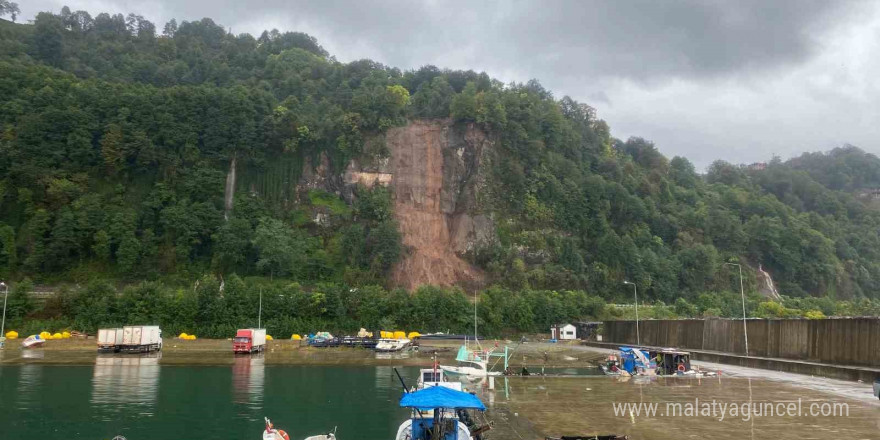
358 341
635 361
611 367
470 363
33 341
390 345
272 433
436 377
660 362
435 414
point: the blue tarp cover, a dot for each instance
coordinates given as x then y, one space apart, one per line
441 397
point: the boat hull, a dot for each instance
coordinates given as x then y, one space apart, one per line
469 371
404 432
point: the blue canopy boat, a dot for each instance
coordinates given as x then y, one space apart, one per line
435 414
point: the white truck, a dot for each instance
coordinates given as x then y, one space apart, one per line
141 338
109 340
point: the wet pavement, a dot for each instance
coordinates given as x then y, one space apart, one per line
535 407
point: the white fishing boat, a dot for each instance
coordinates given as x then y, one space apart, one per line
436 377
470 363
391 345
33 341
272 433
436 415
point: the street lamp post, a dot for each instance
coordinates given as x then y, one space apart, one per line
742 293
636 295
3 324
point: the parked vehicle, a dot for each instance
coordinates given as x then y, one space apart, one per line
109 340
141 338
877 387
249 340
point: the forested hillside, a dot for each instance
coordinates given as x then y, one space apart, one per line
118 138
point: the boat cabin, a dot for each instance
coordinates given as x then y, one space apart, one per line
636 360
430 377
435 414
670 361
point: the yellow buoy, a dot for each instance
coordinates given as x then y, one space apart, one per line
183 336
57 336
65 335
399 334
12 334
296 337
268 337
413 335
45 335
192 337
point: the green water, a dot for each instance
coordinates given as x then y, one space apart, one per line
142 399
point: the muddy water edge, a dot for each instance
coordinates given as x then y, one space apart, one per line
534 407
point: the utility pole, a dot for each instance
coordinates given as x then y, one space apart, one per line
636 294
3 325
742 293
260 316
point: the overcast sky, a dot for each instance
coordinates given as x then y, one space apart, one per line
735 80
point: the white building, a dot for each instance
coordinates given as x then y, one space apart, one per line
563 332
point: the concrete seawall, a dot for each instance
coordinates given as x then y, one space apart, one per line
836 341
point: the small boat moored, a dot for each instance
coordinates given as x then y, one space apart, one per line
33 341
272 433
390 345
470 363
436 377
435 415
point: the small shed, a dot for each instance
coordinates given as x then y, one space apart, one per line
563 332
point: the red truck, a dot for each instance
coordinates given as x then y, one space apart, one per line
249 340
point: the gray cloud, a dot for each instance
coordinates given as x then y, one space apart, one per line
738 80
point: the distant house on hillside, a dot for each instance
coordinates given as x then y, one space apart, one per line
563 332
869 194
757 166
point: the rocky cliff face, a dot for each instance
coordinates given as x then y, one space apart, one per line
436 176
434 171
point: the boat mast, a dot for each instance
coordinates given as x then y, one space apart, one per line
476 298
260 315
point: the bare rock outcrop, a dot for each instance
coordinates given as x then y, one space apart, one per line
436 176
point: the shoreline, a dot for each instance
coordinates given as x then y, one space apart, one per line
291 352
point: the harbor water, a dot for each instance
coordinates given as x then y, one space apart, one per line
140 399
213 395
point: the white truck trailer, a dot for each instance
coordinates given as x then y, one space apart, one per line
141 338
109 340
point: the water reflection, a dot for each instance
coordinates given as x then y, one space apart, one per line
126 384
30 382
33 354
248 379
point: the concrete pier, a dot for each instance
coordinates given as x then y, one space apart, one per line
844 372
